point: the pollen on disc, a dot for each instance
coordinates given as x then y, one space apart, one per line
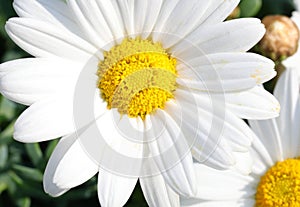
280 186
137 77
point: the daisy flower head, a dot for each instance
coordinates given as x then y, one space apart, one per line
275 176
136 89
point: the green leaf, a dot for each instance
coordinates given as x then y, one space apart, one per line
15 178
7 134
28 173
8 180
249 8
23 202
3 187
50 148
3 155
7 109
13 54
34 152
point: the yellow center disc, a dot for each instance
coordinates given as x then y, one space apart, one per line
280 186
137 77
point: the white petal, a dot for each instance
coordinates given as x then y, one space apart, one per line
158 193
244 162
171 153
127 12
236 203
226 71
222 185
205 113
55 12
287 92
29 80
231 36
42 39
296 131
255 103
123 134
221 12
44 120
181 20
204 148
112 15
69 165
269 138
262 160
52 118
166 10
145 16
93 22
114 190
297 3
293 61
177 19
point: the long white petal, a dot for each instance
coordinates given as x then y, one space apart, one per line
222 185
55 12
49 40
206 113
212 152
92 21
236 203
244 162
54 117
287 92
174 22
221 12
69 165
114 190
269 137
226 71
46 119
182 19
231 36
171 153
145 16
158 193
27 81
256 103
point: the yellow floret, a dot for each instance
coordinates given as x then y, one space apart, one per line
137 77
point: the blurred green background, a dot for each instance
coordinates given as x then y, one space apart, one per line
22 165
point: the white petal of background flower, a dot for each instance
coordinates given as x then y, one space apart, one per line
214 185
287 92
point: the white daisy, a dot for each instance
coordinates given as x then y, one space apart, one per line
171 79
275 178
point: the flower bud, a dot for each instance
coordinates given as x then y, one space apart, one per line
281 38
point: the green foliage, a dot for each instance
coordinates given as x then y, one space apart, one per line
250 8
